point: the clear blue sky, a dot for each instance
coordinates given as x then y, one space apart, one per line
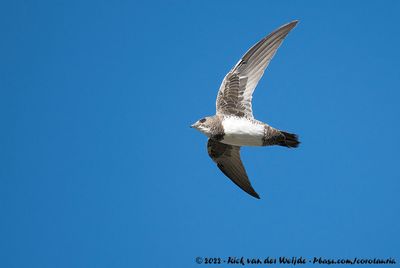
99 165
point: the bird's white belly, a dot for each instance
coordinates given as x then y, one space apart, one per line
242 132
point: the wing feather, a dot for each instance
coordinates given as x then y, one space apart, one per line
236 90
227 158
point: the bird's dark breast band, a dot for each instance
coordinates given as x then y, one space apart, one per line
217 130
218 137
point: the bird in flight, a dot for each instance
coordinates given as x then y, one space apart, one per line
234 125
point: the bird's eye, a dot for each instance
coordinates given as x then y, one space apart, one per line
202 120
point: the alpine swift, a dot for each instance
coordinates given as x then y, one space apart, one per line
234 125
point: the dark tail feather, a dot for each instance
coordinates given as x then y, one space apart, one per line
290 140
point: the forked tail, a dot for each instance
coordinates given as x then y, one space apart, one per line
290 140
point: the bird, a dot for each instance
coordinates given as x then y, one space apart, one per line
234 125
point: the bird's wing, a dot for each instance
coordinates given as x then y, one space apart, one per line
236 91
227 158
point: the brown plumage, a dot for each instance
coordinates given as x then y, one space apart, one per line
234 124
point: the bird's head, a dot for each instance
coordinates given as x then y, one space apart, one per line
204 125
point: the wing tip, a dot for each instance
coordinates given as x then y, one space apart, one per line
253 193
291 24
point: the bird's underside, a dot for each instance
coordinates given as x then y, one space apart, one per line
233 125
226 152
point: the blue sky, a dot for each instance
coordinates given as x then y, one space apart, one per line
99 165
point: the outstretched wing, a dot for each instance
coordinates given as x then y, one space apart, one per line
227 158
236 91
